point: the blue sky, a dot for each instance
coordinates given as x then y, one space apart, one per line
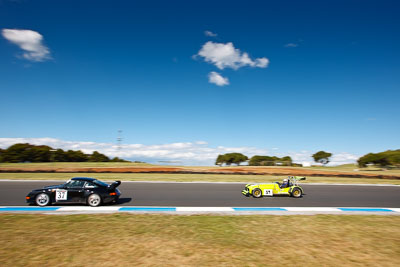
331 82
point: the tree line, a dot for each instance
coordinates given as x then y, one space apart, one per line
32 153
257 160
389 158
238 158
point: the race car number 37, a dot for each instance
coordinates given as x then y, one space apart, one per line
61 194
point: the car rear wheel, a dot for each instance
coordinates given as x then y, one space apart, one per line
94 200
296 193
42 199
257 193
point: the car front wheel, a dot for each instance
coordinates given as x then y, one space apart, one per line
257 193
42 199
94 200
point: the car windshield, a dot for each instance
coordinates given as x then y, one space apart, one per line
65 184
100 183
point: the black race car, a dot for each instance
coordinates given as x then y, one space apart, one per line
77 190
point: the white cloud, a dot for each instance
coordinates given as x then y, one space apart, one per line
210 34
343 158
30 42
291 45
227 56
201 143
216 78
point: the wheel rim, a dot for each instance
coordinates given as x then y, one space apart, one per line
257 193
296 193
42 200
94 200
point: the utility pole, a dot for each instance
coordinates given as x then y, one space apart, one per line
119 142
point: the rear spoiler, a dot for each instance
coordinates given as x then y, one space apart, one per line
299 178
114 185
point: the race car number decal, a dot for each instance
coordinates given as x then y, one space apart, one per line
268 192
61 194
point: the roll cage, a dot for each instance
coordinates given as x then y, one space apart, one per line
292 181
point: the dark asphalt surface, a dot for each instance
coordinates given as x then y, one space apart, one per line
13 193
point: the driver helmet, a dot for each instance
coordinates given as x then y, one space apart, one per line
285 181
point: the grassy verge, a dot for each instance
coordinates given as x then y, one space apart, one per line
201 240
188 178
353 168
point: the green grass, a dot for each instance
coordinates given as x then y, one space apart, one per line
353 168
199 240
188 178
349 168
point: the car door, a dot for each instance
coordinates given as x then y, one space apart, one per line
61 194
75 191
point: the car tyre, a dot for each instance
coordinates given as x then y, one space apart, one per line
257 193
94 200
296 193
42 199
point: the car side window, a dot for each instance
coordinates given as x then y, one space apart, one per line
75 184
90 185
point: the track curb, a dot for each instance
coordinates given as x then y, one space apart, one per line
195 210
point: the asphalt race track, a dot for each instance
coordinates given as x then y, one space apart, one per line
12 193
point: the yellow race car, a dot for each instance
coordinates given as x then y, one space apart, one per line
289 187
